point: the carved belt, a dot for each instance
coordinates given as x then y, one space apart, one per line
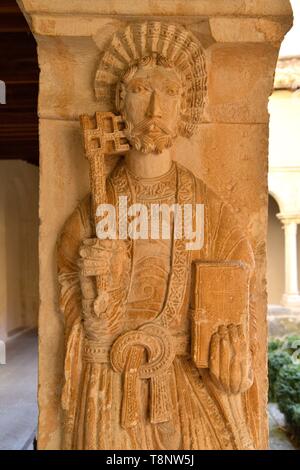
126 356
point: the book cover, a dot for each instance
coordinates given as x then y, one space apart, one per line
221 297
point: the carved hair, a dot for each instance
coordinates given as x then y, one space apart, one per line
147 44
145 62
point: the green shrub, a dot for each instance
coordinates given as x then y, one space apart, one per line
294 418
287 386
274 344
287 393
291 345
284 379
276 360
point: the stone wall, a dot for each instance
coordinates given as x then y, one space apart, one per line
18 247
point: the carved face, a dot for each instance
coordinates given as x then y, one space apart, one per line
151 108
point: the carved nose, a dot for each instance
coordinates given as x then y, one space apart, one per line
154 109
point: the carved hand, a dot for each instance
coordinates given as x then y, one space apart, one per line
230 360
103 258
108 258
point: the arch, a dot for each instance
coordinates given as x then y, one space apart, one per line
276 198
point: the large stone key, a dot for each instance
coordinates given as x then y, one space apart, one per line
103 135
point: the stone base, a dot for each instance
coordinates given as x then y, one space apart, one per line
291 301
282 321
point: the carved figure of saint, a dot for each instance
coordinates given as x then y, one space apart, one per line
131 378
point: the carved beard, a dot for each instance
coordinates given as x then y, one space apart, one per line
149 136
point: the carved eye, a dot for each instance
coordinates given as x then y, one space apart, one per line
139 88
172 91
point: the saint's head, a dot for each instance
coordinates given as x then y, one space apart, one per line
154 74
151 98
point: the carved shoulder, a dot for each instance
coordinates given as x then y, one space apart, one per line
76 228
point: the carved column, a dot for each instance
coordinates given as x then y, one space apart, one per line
291 296
241 40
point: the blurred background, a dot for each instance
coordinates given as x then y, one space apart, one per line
283 245
19 186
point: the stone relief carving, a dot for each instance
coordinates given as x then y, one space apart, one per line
159 338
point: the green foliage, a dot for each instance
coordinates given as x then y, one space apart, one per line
294 418
287 386
277 359
274 344
291 345
287 393
284 379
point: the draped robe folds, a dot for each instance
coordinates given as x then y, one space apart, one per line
203 417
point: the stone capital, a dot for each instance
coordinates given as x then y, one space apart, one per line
289 218
165 7
230 21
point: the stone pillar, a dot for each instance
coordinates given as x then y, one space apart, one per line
241 41
291 296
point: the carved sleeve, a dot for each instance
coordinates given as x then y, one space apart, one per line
225 241
230 243
76 228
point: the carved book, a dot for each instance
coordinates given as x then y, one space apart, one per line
221 298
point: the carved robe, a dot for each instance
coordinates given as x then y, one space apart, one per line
145 392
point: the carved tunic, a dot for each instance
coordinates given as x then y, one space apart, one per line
152 258
144 391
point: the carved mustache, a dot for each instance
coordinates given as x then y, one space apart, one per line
151 125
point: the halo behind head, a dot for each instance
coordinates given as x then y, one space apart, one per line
172 42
